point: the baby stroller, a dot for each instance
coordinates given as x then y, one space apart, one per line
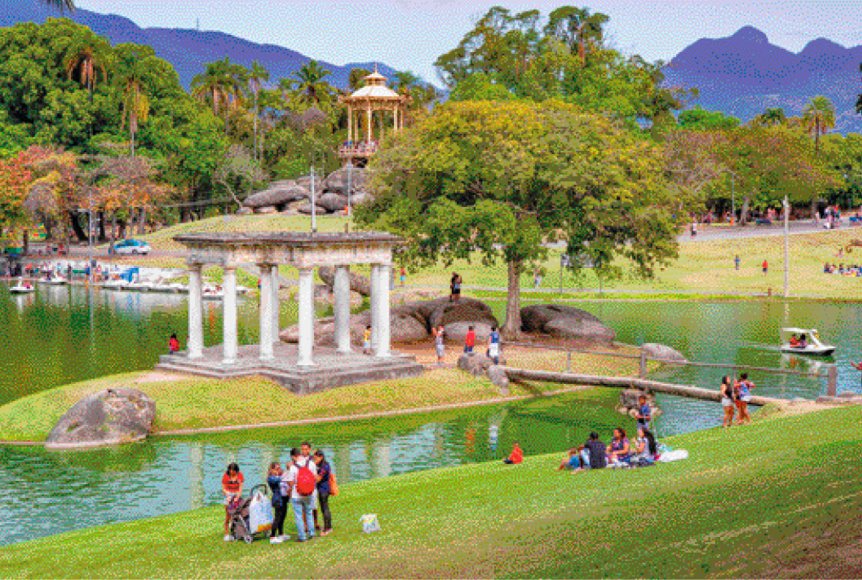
240 515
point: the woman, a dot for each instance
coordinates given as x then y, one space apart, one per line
324 471
745 387
728 400
455 287
619 450
645 446
279 503
231 486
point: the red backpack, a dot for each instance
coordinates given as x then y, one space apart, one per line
305 480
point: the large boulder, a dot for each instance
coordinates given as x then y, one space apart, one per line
457 332
306 209
358 283
534 318
338 181
580 331
404 326
105 418
663 352
464 310
332 202
277 195
324 328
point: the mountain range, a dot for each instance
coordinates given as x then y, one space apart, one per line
188 50
744 74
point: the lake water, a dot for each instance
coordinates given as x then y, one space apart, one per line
63 335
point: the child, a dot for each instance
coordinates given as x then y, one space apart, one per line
174 344
470 340
439 343
494 345
643 413
366 340
403 275
516 457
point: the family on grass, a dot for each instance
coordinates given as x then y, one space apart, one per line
306 484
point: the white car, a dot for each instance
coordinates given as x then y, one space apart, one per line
132 247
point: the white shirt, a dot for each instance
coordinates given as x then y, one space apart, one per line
294 471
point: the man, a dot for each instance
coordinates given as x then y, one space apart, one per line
643 413
301 498
597 451
494 345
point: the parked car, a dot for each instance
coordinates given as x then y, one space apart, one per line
133 247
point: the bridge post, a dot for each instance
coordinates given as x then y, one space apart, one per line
832 381
642 372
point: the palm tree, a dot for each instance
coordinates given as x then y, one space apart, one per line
354 80
818 116
221 85
132 69
772 117
311 88
257 76
88 57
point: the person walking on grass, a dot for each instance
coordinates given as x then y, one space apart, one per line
470 340
736 262
324 490
765 267
728 401
439 343
279 504
231 486
494 345
301 479
403 275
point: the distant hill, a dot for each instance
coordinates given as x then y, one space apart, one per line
744 74
188 50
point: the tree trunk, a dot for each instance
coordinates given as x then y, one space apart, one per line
113 233
26 242
76 227
142 222
103 236
512 327
743 214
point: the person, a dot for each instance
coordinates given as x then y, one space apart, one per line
794 341
403 275
728 400
619 450
516 457
596 450
174 344
537 278
765 267
643 413
645 447
455 287
231 485
366 340
279 503
736 262
494 345
439 343
302 504
694 229
803 341
324 471
470 340
573 461
744 395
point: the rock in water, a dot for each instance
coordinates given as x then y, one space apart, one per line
663 352
105 418
534 318
585 331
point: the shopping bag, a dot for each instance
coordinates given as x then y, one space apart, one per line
333 484
369 523
260 514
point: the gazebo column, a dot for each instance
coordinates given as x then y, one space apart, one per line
350 125
375 306
306 317
276 304
395 119
196 312
368 123
267 332
382 322
341 292
231 343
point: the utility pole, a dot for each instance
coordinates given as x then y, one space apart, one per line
90 236
786 247
733 198
313 204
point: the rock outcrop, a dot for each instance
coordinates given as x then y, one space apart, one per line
105 418
630 402
358 283
663 352
331 193
277 195
534 318
566 323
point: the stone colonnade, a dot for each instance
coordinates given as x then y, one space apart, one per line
270 302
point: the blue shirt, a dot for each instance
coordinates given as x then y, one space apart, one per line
324 471
274 483
495 337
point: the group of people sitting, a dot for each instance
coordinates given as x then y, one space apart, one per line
800 341
621 452
843 270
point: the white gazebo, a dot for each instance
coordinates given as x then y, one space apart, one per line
362 105
305 252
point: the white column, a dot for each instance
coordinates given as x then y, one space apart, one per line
276 304
196 312
266 330
383 321
231 344
341 292
375 305
350 124
306 317
368 124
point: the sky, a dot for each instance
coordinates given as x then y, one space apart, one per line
411 34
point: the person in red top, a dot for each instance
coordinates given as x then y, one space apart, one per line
765 267
470 340
174 344
231 486
516 457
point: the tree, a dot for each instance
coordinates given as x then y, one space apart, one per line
257 76
818 117
771 117
703 120
354 80
87 57
221 85
500 179
311 89
238 168
131 75
577 28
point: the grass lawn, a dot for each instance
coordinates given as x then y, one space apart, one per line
195 402
777 498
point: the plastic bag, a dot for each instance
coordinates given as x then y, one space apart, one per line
260 514
675 455
369 523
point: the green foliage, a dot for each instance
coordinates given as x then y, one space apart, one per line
703 120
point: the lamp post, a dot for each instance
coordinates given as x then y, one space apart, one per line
786 247
90 234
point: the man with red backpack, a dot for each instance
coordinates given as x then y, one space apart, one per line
302 479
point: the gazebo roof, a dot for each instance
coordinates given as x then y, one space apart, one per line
375 92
